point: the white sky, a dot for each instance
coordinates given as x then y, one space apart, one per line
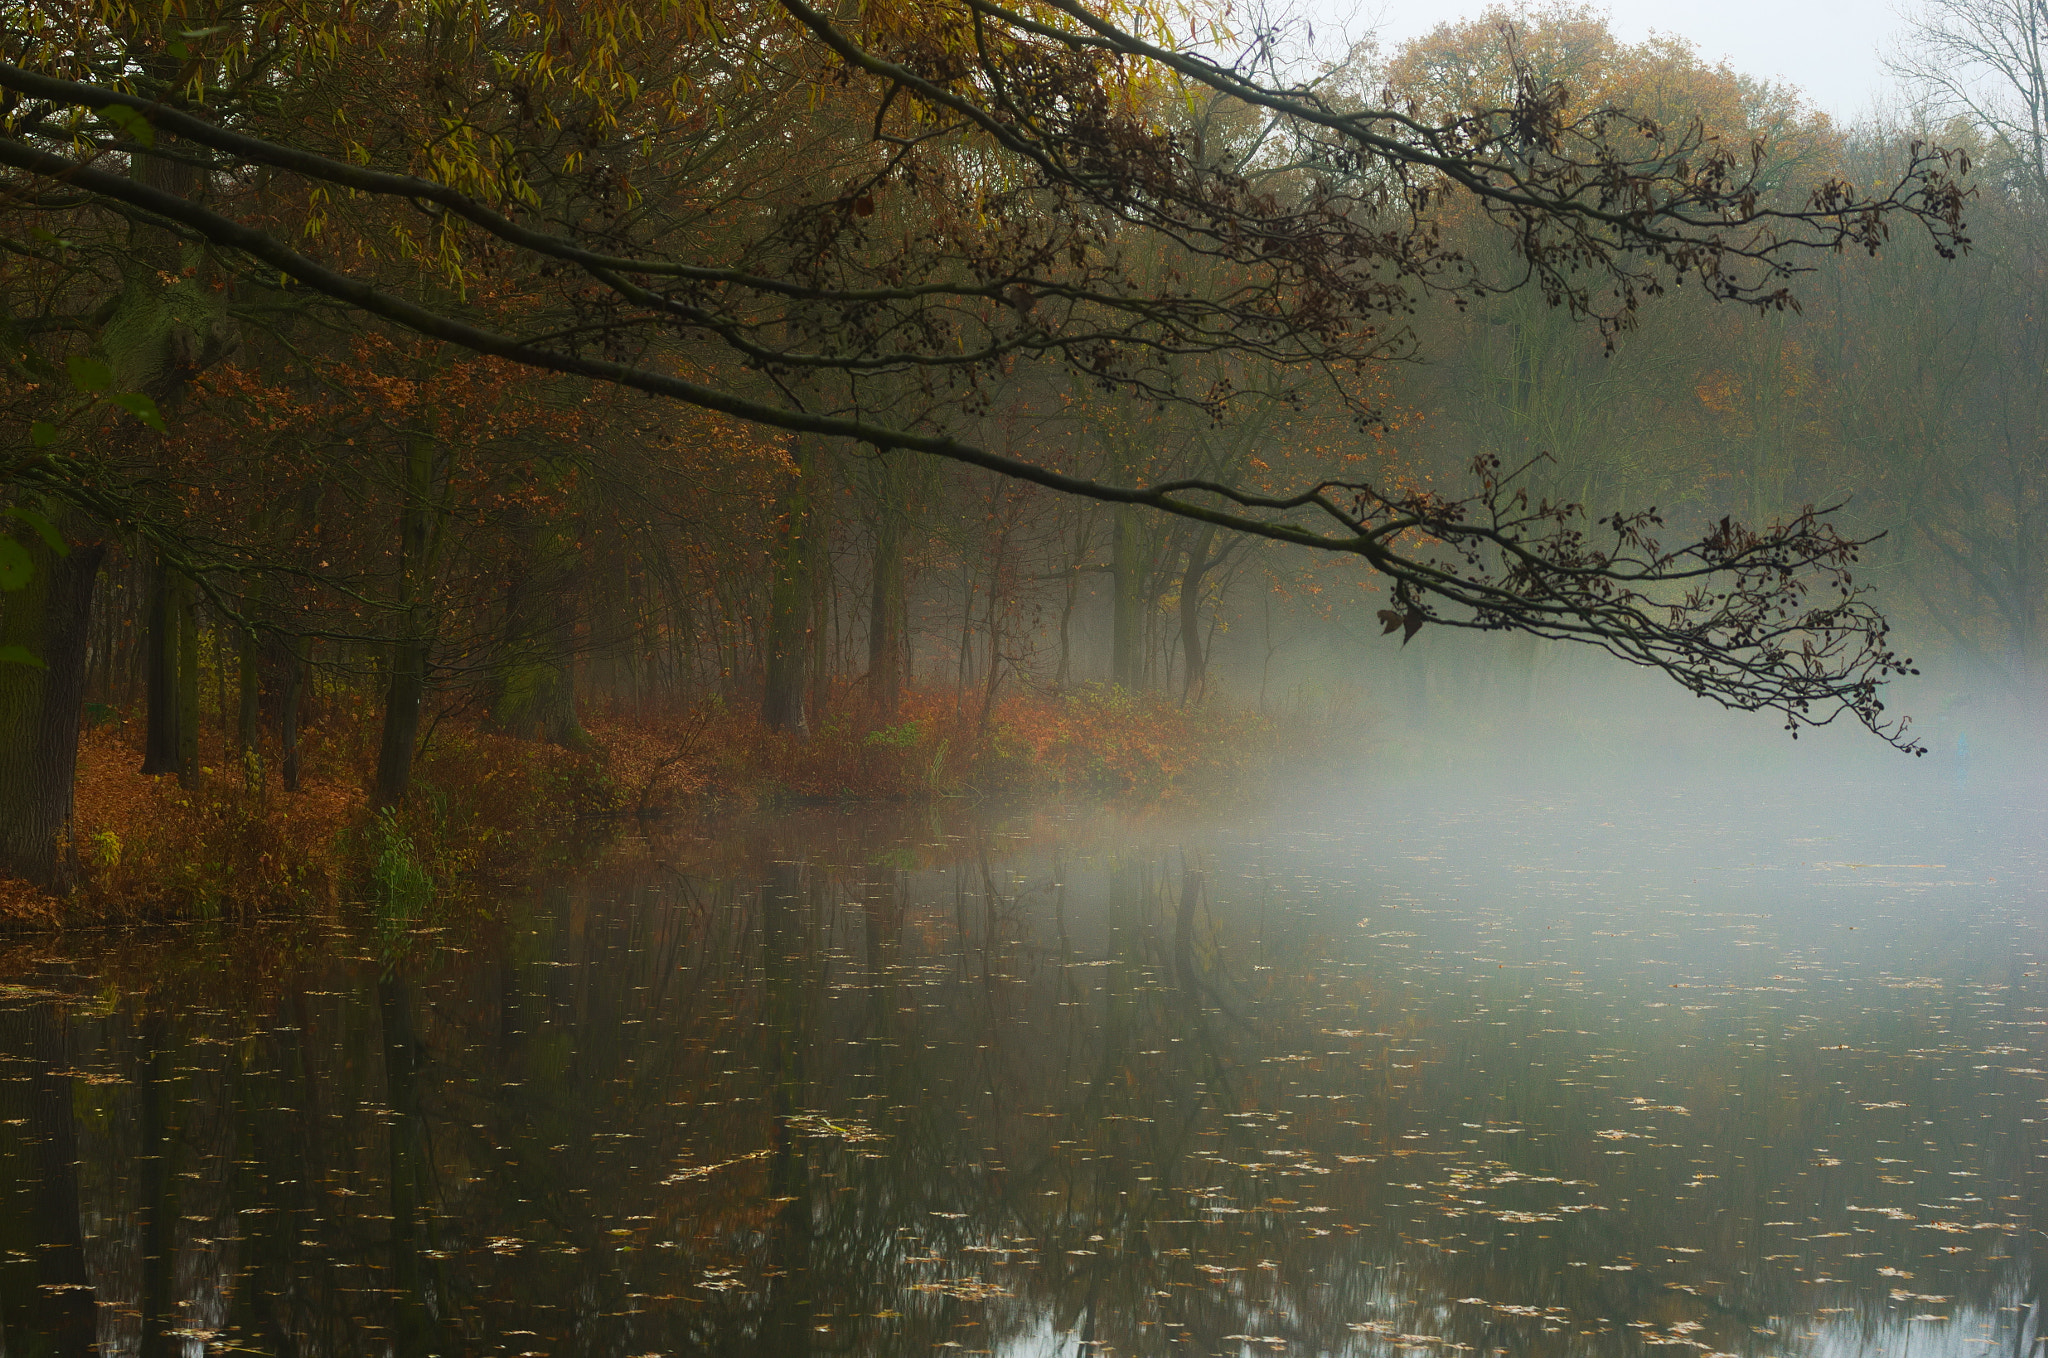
1828 48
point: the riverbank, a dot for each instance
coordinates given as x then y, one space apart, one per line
491 809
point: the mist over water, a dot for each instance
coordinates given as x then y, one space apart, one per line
1551 1053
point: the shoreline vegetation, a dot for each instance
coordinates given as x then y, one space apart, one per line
488 809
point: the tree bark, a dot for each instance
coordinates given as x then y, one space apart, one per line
40 707
248 726
1193 653
172 658
886 610
289 705
404 694
1127 576
412 649
824 595
789 604
534 686
995 631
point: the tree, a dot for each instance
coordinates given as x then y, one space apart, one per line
983 223
1986 62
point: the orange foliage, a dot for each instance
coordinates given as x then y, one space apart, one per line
1093 740
493 809
150 849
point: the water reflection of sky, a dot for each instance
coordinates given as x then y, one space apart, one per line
1427 1070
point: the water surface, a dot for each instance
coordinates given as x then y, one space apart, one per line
1593 1071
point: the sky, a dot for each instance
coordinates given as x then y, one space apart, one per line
1830 49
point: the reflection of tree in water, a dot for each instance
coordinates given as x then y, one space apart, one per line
854 1093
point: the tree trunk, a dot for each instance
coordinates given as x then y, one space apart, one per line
789 604
288 716
995 632
172 662
1192 650
534 686
1127 576
886 610
40 706
188 687
404 694
824 592
406 686
1070 594
247 725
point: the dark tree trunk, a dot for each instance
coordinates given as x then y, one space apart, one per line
1192 651
288 712
40 705
247 717
995 631
885 608
412 650
404 695
534 685
789 605
824 595
172 658
1127 626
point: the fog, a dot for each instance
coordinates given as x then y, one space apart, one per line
1071 680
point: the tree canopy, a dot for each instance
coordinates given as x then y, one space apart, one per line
857 222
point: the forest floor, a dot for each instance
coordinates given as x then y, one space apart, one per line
492 809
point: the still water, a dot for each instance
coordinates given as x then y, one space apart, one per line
1414 1071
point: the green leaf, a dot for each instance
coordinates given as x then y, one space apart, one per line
43 236
20 655
176 47
45 530
141 407
42 433
15 568
89 374
131 122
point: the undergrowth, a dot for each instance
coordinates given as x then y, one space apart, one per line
488 811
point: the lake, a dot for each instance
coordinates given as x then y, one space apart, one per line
1602 1068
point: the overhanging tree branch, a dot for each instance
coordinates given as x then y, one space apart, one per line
1766 618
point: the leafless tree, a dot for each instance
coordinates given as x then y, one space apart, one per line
1986 61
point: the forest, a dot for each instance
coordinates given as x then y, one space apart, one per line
1116 678
434 431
